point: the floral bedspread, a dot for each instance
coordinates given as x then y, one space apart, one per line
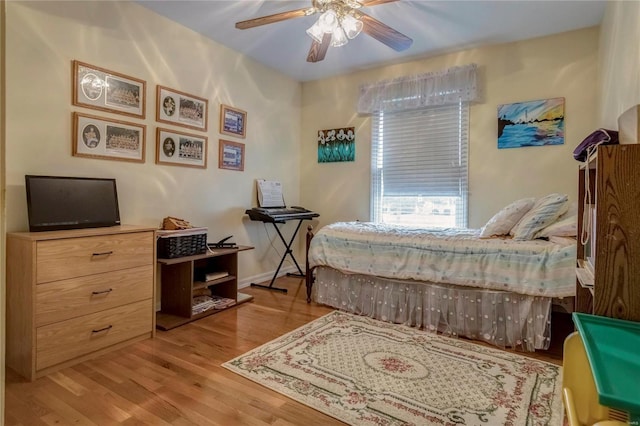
538 267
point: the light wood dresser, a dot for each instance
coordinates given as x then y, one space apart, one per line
73 295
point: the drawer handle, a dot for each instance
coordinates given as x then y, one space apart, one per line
102 329
104 253
102 292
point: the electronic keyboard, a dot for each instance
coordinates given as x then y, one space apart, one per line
280 214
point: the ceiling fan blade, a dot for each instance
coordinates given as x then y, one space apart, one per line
319 50
367 3
270 19
384 33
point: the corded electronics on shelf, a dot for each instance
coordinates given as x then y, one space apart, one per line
223 243
585 152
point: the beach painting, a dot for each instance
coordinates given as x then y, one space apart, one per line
532 123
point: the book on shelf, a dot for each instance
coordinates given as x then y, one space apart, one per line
210 276
222 302
584 273
203 303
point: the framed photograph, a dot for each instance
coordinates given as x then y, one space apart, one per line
181 109
231 155
233 121
97 137
181 149
98 88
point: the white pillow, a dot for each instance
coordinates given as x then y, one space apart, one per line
545 211
563 227
502 222
572 210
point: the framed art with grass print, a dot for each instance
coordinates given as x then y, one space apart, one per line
181 109
231 155
180 149
98 137
233 121
105 90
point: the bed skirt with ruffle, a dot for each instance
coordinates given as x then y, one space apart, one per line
503 319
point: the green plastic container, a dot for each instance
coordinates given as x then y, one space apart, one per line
613 349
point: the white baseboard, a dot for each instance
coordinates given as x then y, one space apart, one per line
266 276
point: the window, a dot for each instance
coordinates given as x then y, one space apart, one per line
419 147
419 166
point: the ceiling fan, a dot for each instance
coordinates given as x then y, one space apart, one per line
339 21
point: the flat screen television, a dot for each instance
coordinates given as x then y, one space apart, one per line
59 202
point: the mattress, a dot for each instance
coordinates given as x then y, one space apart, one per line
455 256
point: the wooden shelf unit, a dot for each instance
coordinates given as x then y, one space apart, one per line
181 277
614 182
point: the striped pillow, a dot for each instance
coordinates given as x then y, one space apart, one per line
545 211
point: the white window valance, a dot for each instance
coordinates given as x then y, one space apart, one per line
411 92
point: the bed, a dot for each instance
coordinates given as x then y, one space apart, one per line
499 290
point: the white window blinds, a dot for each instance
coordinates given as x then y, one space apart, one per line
419 166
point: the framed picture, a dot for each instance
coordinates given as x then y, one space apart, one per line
97 137
98 88
233 122
531 123
336 145
182 109
181 149
231 155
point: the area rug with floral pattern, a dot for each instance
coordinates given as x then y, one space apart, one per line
367 372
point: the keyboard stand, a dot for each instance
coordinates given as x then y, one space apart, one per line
284 256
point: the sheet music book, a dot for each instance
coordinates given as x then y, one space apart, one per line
270 193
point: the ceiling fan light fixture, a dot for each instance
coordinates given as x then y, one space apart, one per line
316 32
328 21
339 38
352 26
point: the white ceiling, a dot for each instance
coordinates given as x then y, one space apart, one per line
436 27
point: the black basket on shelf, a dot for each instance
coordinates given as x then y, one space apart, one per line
170 246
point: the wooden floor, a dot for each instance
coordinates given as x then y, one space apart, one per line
176 378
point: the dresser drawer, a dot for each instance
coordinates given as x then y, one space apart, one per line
77 257
69 339
61 300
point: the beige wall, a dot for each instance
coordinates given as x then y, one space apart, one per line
563 65
619 61
42 40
